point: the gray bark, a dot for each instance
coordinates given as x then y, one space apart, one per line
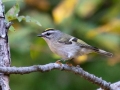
4 50
64 67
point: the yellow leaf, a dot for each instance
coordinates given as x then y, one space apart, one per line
81 59
91 34
40 4
63 10
112 26
86 8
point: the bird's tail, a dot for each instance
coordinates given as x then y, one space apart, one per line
105 53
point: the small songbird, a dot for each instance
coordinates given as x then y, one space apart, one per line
67 46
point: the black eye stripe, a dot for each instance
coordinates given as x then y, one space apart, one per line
48 34
74 39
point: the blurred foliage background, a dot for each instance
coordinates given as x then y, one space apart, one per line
97 22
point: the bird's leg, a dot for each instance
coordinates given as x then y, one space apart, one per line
72 63
59 62
69 63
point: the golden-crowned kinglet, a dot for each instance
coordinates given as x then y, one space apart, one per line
67 46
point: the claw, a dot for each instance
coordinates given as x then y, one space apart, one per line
58 62
69 64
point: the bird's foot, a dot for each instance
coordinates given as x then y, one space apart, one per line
58 62
69 64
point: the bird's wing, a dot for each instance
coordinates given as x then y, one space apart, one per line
83 44
65 40
89 47
79 41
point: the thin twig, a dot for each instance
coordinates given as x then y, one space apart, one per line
48 67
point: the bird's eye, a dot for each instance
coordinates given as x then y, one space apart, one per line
48 34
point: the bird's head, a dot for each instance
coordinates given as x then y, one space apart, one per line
50 34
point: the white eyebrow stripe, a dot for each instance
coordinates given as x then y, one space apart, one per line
48 32
71 39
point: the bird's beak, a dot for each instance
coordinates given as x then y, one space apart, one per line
39 35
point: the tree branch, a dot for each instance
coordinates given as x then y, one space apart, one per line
115 86
5 60
48 67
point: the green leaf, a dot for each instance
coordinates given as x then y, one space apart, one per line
37 23
28 19
20 18
12 28
13 13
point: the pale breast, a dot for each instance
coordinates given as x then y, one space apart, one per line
65 51
68 51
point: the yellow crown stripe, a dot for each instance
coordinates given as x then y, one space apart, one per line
49 29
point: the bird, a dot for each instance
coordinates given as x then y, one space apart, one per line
68 47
